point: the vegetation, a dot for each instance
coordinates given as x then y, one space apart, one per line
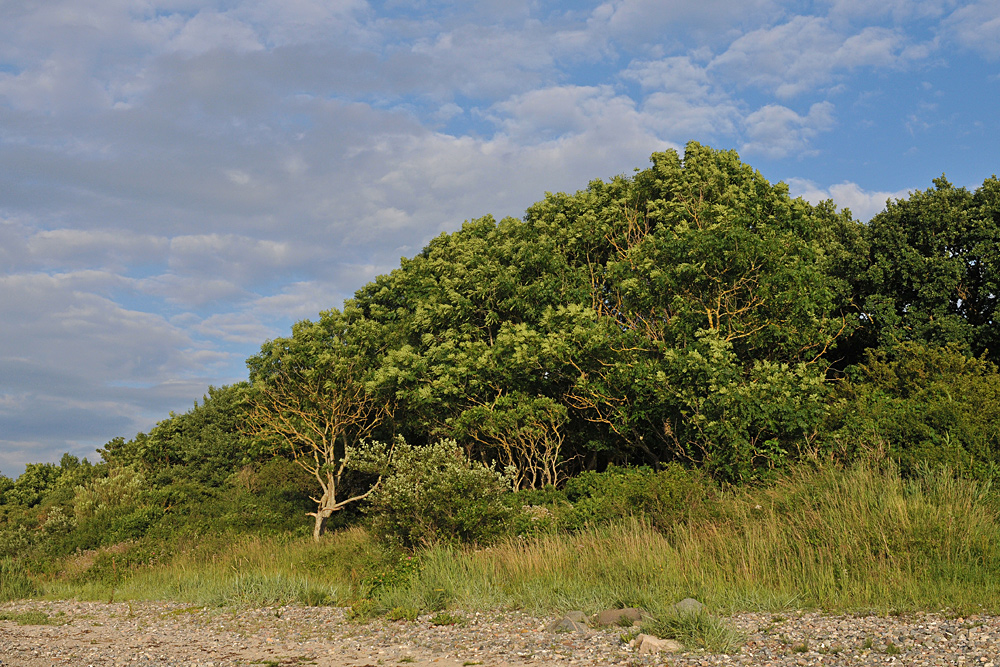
683 383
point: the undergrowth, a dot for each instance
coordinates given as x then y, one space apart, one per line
863 539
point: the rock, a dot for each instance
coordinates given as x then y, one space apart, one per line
615 616
577 617
567 624
687 606
650 644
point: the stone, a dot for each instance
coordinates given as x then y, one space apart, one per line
565 624
615 616
577 616
650 644
687 606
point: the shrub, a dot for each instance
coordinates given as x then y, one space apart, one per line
672 495
434 493
921 406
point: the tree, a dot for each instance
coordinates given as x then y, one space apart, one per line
715 298
523 433
933 269
319 410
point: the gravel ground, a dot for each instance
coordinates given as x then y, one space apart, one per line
145 634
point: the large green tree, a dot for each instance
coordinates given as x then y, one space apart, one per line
685 312
933 269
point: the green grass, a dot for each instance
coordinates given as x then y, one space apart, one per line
15 581
858 540
696 631
31 618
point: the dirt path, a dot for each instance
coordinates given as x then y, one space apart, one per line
169 634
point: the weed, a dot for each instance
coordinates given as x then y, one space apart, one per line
363 611
403 614
407 658
15 583
801 648
701 630
892 649
867 644
445 618
314 596
627 637
31 618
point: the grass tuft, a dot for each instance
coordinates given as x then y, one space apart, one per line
696 631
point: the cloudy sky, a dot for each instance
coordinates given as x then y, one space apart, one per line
181 180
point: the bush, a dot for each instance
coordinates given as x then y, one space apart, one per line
672 495
921 406
435 494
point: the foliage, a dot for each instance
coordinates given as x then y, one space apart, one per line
922 406
36 480
932 273
319 414
681 348
434 493
662 498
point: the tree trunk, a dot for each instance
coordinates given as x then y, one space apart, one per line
320 525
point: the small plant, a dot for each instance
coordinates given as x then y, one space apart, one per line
436 493
701 630
867 644
30 618
801 648
892 649
403 614
469 663
407 658
446 618
314 596
14 581
627 637
362 611
437 599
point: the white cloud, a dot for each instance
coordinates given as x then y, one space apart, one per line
210 30
976 26
863 204
805 53
651 19
685 102
777 131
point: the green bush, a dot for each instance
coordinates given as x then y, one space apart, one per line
922 406
665 497
435 494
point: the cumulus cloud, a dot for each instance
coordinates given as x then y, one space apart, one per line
805 53
777 131
863 204
976 26
646 19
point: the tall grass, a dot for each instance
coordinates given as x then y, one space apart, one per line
244 571
864 539
856 540
15 582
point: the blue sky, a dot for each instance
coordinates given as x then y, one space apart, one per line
182 180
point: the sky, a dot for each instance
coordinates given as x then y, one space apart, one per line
182 180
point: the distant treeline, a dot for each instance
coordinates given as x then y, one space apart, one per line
693 314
